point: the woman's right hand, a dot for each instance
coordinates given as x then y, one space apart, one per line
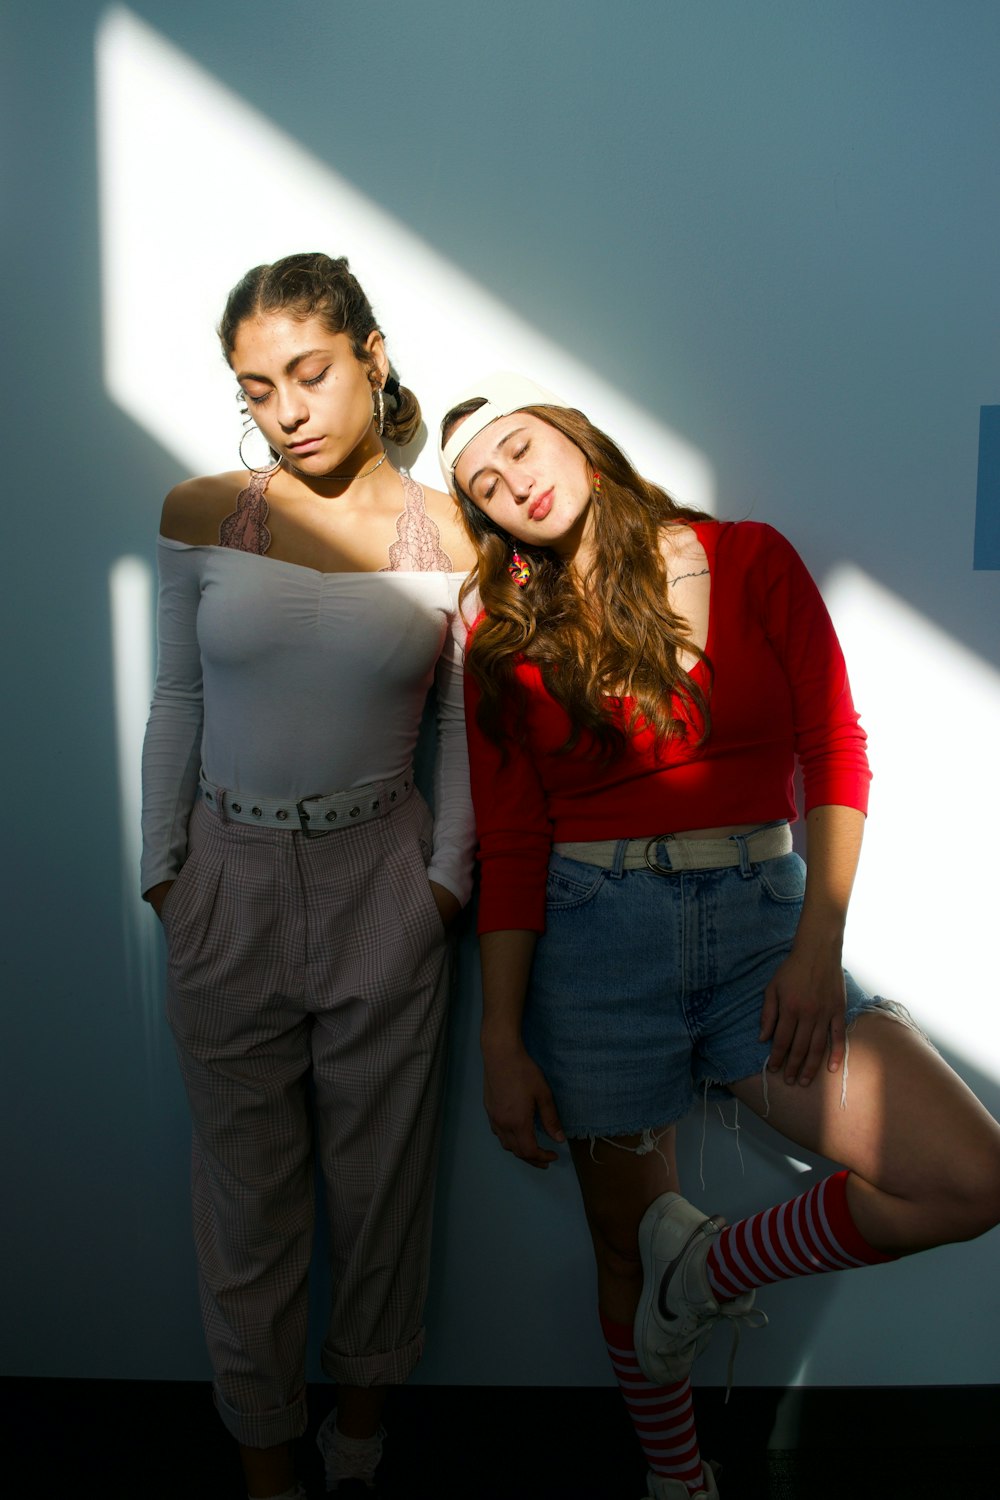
157 894
514 1092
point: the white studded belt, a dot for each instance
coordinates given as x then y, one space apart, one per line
309 815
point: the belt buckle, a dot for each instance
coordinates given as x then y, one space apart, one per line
310 833
659 838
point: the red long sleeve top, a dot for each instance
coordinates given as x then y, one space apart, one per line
778 692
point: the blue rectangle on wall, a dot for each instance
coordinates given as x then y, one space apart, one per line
986 553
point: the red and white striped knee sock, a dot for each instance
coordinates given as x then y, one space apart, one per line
802 1237
662 1415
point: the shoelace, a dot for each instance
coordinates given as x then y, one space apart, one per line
750 1317
738 1319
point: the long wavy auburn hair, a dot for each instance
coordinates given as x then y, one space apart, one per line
607 636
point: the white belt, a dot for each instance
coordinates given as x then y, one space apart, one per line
311 815
683 854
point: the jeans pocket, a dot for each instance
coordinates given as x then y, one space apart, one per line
571 883
783 879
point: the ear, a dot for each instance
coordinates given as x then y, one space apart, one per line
379 367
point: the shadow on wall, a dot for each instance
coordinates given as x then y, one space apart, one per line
508 1238
513 1292
99 1220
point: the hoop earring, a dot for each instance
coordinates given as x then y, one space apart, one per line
379 412
519 569
266 468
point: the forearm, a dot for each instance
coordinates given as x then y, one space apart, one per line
803 1012
833 847
171 751
506 963
515 1091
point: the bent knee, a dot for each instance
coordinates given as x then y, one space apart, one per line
972 1196
982 1209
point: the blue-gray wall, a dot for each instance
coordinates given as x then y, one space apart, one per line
770 227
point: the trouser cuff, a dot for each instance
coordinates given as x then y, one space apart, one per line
386 1367
264 1429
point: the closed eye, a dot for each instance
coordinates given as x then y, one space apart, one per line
515 454
312 381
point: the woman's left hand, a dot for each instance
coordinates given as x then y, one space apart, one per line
448 905
804 1008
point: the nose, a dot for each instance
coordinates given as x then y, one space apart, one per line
292 409
521 484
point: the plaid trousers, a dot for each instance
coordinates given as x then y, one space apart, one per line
293 959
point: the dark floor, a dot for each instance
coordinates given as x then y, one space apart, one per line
125 1440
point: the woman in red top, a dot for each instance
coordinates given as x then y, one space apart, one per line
641 684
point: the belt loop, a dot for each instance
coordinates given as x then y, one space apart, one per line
220 804
746 869
618 861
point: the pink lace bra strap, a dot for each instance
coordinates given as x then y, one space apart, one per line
245 528
418 549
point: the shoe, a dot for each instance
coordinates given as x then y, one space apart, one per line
350 1464
677 1312
661 1488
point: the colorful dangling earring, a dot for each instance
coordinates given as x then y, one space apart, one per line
518 569
597 483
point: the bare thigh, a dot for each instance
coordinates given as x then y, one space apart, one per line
925 1152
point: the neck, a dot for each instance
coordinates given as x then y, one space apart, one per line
362 465
578 548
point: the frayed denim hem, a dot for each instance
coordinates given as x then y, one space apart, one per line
649 1140
897 1011
875 1005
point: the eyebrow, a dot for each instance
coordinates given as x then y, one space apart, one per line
295 360
505 439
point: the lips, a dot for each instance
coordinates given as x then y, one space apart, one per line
303 444
539 509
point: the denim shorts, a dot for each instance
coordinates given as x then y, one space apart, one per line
645 988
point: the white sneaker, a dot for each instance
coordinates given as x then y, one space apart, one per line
677 1312
675 1489
346 1459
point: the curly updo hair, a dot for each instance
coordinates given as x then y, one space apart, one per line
322 286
